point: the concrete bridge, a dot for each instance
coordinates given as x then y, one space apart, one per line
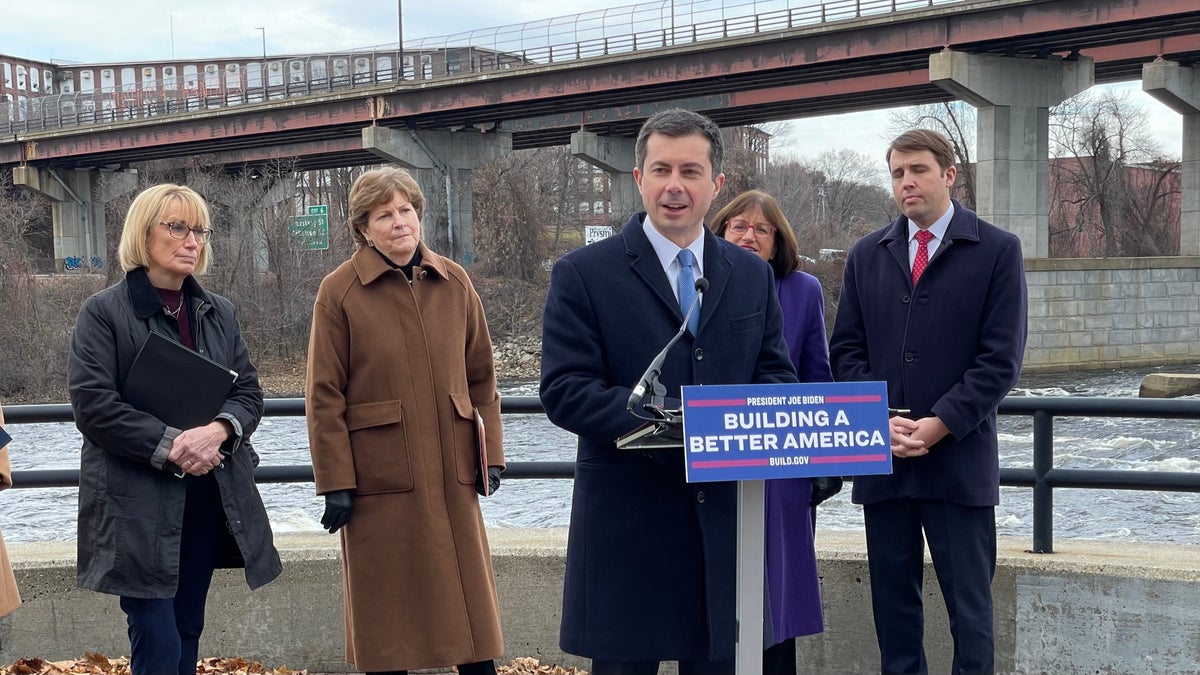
1011 59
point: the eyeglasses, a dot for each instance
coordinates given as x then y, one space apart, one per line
180 231
739 228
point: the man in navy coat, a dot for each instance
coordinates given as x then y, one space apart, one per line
935 305
650 558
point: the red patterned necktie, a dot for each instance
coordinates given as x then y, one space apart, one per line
922 257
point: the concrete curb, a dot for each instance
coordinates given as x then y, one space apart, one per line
1093 606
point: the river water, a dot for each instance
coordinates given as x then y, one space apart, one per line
1119 515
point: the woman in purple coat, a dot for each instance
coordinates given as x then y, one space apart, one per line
754 221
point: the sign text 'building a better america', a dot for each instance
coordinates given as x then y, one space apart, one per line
764 431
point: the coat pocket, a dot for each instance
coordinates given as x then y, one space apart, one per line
749 322
466 448
379 443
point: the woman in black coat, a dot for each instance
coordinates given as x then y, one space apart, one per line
161 507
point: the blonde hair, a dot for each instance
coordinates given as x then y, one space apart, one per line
147 211
376 187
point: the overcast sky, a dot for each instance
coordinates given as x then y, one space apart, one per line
131 30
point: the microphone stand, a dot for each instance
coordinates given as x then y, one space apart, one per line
649 379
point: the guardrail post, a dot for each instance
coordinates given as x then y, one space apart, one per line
1043 492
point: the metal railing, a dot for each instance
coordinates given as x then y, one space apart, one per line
1043 477
619 30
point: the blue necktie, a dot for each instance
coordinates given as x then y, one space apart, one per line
687 289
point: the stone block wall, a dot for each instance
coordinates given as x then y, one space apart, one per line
1112 312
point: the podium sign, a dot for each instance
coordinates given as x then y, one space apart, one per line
765 431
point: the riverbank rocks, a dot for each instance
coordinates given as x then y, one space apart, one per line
519 358
1169 385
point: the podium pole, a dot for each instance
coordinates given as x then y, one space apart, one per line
751 571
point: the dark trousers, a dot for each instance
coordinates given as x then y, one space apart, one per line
164 634
477 668
694 667
780 659
962 543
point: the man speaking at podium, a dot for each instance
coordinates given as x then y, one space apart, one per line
651 560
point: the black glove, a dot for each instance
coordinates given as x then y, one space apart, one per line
493 479
339 504
823 488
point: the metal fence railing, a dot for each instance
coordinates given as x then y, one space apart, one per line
229 82
1044 477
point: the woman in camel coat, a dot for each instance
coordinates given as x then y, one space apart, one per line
399 362
9 599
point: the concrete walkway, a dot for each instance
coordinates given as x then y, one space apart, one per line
1093 606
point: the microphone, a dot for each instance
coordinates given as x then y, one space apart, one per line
650 377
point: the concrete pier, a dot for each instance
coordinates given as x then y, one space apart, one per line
1092 607
441 163
1014 97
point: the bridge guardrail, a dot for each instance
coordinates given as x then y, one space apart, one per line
632 28
1043 477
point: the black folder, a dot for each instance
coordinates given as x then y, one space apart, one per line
175 384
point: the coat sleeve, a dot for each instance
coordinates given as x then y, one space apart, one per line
574 387
481 375
1001 347
243 408
808 343
848 345
325 395
93 378
774 364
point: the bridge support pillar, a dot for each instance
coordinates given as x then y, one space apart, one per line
1014 97
441 162
615 156
78 198
1179 88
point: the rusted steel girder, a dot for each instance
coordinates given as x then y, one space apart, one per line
858 64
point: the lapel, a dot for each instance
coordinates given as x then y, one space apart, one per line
717 267
645 266
895 239
964 225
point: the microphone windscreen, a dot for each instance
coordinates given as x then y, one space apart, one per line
702 284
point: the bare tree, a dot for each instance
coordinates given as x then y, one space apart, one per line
38 310
791 184
1113 193
848 189
515 204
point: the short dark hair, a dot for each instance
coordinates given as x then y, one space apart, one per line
916 140
677 123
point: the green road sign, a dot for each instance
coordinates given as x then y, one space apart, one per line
310 232
318 210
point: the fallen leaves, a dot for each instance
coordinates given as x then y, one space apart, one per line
100 664
525 665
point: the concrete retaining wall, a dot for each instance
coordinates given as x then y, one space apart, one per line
1112 312
1093 607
